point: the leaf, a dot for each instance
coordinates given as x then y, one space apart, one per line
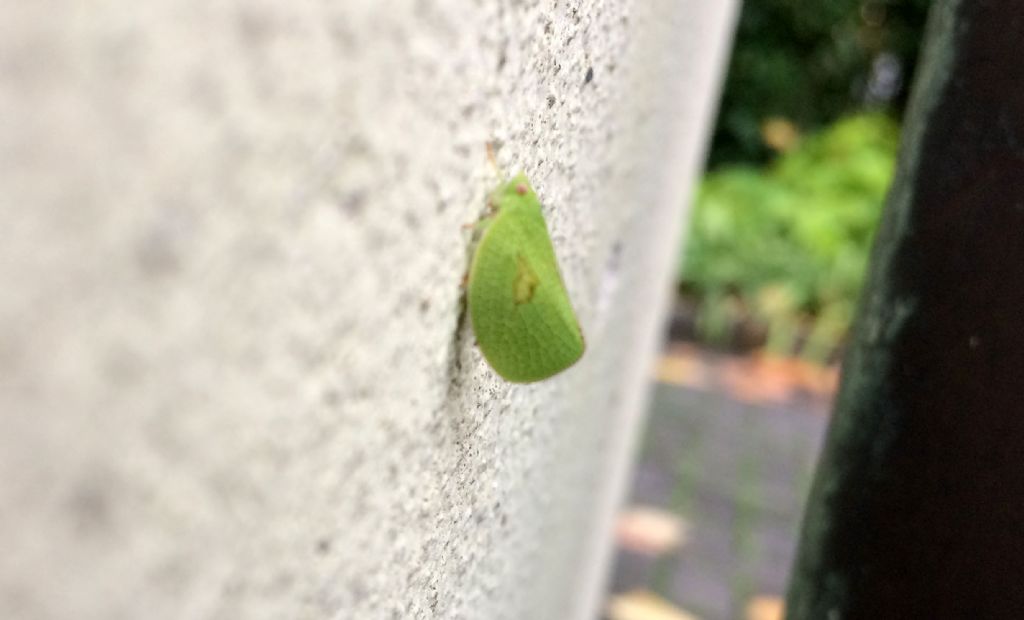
650 530
766 608
644 605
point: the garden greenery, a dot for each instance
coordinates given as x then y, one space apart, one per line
786 246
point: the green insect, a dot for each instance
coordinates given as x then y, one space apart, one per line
524 323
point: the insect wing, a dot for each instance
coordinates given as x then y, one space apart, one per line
521 313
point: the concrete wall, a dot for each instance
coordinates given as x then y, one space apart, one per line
234 382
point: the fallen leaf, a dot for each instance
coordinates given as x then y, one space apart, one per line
765 378
644 605
682 367
749 382
650 530
765 608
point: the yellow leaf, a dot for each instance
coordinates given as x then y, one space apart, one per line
765 608
650 530
779 133
644 605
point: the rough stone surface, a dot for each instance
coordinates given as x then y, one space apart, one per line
235 381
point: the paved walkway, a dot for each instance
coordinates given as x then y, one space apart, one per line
737 474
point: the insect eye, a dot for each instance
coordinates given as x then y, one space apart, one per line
521 189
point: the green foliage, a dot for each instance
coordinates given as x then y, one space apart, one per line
787 245
811 63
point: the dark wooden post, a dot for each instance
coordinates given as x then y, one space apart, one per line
917 509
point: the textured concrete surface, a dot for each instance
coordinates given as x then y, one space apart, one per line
234 378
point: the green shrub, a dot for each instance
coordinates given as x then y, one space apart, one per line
786 246
811 62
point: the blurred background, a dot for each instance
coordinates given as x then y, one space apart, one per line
778 242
